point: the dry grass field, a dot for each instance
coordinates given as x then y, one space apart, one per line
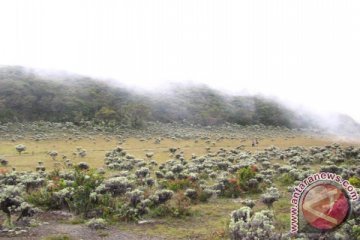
97 146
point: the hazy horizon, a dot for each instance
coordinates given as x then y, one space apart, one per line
303 53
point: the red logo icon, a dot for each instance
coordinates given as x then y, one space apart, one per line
325 206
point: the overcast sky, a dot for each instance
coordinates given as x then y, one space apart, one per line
306 51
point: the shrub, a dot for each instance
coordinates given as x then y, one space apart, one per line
82 153
61 198
116 186
172 150
11 201
163 195
178 184
43 198
253 185
150 182
232 188
246 225
78 195
191 188
3 162
96 223
53 154
355 181
191 193
170 175
84 184
58 237
135 197
243 214
178 206
244 175
286 179
249 203
356 232
149 155
20 148
142 172
128 213
83 166
270 196
205 194
159 174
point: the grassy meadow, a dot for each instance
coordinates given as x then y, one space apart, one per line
209 220
97 146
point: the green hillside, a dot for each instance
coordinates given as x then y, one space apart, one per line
26 95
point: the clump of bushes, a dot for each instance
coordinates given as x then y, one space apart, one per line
178 206
244 177
76 194
244 181
12 202
245 224
178 184
191 189
231 188
87 193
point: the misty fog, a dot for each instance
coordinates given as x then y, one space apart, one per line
281 49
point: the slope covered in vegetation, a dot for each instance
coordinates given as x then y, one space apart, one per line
30 95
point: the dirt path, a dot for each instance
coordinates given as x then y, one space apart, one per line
53 225
75 232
